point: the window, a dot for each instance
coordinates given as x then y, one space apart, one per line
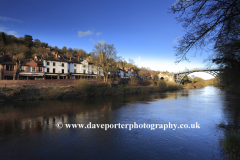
33 69
84 66
53 70
47 70
75 71
48 63
84 71
9 67
62 70
53 63
62 64
29 69
23 68
40 69
75 65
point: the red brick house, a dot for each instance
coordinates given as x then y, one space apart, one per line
31 69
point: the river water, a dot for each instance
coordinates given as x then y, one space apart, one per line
29 130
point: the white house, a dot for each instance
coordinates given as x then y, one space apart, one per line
55 68
83 69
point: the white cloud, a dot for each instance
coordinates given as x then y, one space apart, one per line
176 40
102 41
6 30
139 58
12 33
92 40
2 18
82 34
99 33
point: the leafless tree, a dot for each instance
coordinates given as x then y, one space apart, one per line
206 22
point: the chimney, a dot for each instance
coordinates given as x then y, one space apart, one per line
70 58
78 58
56 54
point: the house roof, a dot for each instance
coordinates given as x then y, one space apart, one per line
55 59
7 60
24 62
75 61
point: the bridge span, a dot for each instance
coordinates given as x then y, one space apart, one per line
178 77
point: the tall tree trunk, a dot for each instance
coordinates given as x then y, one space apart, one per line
104 79
16 71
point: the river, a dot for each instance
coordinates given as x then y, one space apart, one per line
37 129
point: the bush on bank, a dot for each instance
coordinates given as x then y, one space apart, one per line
82 88
231 144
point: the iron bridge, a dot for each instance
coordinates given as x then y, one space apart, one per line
214 72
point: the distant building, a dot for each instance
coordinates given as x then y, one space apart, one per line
7 67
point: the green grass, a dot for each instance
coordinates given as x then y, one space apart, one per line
231 144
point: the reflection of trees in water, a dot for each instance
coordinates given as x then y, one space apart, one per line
231 110
39 115
230 124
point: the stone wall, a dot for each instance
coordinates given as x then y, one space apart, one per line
166 77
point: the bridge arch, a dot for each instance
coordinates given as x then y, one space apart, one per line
216 73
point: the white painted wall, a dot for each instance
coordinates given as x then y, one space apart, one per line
58 66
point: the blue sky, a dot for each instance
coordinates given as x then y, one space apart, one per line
140 30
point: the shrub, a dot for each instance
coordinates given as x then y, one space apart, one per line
147 82
82 85
172 85
231 144
112 80
133 81
162 85
189 86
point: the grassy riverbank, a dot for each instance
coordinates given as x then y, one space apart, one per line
83 88
199 83
231 145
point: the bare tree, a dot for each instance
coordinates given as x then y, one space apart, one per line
206 21
105 57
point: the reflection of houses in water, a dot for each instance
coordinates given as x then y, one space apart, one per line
33 124
86 117
42 122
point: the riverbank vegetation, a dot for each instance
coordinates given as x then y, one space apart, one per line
196 82
231 145
82 88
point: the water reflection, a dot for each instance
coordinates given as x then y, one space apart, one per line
40 115
32 124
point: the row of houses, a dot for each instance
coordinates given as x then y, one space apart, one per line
53 67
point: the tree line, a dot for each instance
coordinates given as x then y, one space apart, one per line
26 47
